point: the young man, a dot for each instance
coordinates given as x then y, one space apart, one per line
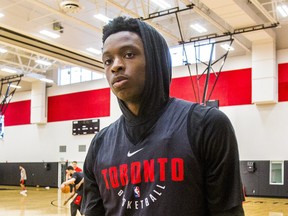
68 175
75 166
76 180
23 179
163 156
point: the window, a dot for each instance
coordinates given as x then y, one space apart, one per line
64 77
277 172
72 75
178 55
86 75
75 75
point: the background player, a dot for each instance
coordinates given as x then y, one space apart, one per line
76 180
23 179
75 166
68 175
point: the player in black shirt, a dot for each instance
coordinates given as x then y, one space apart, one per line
77 181
163 156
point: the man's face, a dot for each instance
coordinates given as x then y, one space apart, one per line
124 64
69 172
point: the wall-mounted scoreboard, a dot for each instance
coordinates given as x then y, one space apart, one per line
83 127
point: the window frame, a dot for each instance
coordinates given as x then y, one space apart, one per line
271 174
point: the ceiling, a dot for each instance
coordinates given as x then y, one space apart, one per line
74 21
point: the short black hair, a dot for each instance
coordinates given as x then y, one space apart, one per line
121 23
70 168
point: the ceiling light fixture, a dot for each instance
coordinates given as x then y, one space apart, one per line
198 28
227 47
15 86
8 70
2 50
102 17
95 51
162 4
1 15
47 80
283 10
42 62
49 34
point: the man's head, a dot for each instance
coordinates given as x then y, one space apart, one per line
139 54
120 24
74 164
124 64
70 169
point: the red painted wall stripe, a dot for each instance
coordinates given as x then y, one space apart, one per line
80 105
232 88
283 82
17 113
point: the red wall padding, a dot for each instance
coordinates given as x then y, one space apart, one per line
283 82
80 105
232 88
18 113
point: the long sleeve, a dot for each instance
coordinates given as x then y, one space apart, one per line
216 146
92 202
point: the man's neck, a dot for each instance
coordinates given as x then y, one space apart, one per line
134 108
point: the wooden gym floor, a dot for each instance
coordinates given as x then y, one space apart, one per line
44 202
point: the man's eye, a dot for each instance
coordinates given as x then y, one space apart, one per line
129 55
107 62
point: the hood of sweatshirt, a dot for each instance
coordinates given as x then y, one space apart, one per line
157 85
158 74
155 95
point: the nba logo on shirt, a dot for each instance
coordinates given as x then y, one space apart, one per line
136 191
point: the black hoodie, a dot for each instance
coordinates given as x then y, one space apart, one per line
179 168
157 83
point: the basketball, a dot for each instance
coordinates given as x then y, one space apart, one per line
65 188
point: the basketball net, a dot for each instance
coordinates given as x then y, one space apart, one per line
203 91
7 89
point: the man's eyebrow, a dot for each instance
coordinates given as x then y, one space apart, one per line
130 46
104 53
124 47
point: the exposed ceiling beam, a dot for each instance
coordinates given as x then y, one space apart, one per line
41 47
246 6
220 24
135 15
264 11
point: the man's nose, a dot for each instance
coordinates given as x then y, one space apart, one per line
117 65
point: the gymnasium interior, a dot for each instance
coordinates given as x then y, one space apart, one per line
230 54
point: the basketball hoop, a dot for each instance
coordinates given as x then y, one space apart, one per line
209 63
7 91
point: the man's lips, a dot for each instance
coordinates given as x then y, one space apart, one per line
118 81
